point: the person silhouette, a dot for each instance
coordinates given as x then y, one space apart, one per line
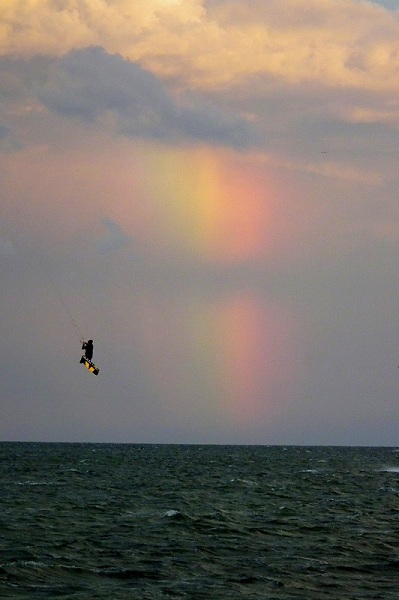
88 348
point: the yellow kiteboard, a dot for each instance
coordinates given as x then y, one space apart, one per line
89 365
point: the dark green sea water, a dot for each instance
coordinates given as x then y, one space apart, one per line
110 522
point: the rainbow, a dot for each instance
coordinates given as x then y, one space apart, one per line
209 203
214 355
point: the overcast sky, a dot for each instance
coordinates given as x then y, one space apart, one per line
209 190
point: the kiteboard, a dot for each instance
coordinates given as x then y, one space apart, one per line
90 366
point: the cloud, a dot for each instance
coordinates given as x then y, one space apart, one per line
3 131
215 43
54 27
8 143
6 247
326 168
94 85
263 54
115 238
390 4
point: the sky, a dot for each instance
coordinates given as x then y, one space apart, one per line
209 190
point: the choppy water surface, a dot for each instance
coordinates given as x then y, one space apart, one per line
88 521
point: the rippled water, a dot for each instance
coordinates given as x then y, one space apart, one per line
98 521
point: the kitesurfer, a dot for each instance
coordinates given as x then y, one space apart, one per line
88 348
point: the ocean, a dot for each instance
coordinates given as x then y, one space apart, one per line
135 521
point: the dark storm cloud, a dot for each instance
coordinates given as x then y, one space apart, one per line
94 85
